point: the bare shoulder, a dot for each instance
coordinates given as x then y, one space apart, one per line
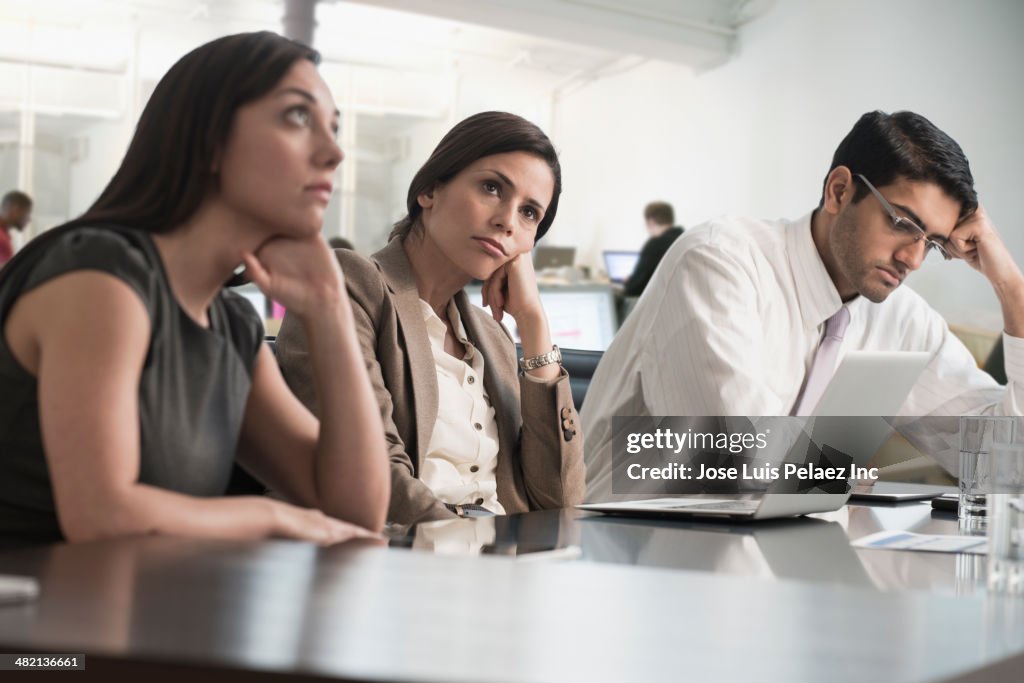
87 310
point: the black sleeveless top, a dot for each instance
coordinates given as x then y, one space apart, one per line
192 393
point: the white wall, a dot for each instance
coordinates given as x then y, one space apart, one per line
419 141
102 146
373 219
756 135
626 141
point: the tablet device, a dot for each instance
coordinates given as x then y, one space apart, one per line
896 492
950 502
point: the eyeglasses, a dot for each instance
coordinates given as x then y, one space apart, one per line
905 226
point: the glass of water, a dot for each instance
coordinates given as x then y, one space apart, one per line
977 434
1006 518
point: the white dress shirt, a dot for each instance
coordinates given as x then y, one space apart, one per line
729 325
461 461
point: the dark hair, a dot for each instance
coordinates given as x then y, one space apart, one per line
660 212
167 171
481 135
884 147
16 198
340 243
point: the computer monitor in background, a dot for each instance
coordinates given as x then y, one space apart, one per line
580 316
257 298
553 257
620 264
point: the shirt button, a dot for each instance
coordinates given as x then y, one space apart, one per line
479 501
477 426
471 379
474 468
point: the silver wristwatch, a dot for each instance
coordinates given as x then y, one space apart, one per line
552 356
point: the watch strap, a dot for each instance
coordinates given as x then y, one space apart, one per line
534 362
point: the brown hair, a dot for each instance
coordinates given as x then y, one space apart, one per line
16 198
481 135
660 212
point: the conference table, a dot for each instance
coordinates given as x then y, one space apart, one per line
560 595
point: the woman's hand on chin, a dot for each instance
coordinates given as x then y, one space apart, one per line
512 289
301 274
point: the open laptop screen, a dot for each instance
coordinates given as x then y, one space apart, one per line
620 264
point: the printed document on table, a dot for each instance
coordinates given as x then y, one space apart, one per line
932 543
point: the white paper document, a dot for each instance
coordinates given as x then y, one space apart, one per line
932 543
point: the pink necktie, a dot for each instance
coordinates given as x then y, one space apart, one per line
824 362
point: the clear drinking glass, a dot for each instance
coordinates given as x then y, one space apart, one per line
1006 518
977 434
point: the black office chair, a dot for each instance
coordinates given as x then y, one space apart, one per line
581 366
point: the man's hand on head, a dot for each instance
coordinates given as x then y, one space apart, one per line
977 242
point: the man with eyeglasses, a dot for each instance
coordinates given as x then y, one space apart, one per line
735 316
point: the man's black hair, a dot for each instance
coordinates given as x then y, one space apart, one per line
885 147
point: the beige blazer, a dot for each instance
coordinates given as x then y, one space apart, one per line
540 454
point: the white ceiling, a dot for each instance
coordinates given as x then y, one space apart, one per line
562 36
699 33
359 34
403 46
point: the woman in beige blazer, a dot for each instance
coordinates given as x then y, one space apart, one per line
512 442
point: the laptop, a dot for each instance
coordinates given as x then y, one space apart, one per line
867 385
553 257
620 265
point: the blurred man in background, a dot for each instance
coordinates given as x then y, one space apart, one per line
15 212
659 217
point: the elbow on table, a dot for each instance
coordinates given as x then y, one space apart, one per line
114 521
369 509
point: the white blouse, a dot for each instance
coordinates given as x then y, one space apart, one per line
462 458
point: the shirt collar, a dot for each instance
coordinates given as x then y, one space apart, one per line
436 328
815 292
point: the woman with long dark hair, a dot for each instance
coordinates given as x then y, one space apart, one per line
133 380
470 430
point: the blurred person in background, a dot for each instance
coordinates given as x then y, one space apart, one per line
15 213
659 218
